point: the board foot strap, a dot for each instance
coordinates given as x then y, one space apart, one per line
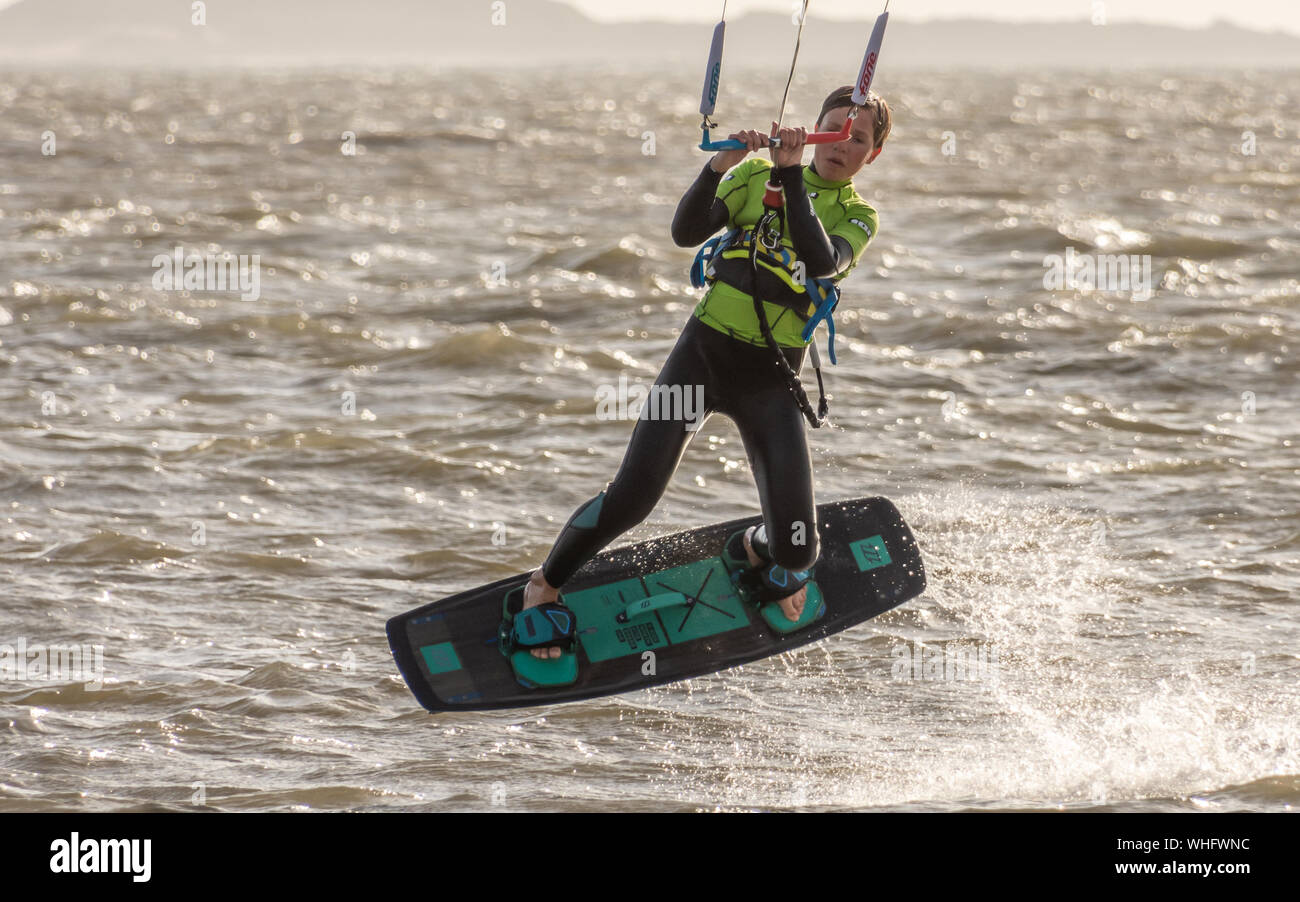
549 625
766 585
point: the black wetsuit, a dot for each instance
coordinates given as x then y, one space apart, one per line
739 379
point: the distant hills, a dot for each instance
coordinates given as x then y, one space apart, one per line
544 32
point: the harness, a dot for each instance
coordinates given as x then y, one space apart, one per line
761 243
775 257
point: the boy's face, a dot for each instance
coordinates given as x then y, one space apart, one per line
844 159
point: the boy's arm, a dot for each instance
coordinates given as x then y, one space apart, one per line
857 227
700 212
822 255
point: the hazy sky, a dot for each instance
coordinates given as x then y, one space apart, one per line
1259 14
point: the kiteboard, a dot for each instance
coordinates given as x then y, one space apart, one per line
657 612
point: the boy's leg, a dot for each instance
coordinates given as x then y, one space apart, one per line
651 458
677 408
773 433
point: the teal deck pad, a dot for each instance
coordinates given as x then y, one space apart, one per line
870 553
440 658
598 606
719 610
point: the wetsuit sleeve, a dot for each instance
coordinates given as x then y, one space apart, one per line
857 228
821 255
700 212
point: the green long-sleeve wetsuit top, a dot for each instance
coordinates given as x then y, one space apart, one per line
826 227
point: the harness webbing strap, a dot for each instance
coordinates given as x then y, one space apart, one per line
773 207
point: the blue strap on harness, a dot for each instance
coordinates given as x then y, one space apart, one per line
830 296
705 255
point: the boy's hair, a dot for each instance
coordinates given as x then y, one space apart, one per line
883 118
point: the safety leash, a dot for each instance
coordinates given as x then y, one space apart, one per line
773 211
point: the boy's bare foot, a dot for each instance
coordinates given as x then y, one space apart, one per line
539 591
792 605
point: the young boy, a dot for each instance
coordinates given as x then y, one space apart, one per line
826 227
